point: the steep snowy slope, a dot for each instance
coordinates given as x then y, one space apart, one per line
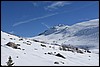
32 53
84 35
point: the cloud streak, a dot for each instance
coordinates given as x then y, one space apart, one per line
57 4
42 17
22 22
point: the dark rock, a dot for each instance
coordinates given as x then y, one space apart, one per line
20 39
43 45
19 48
45 53
18 44
11 38
56 62
35 40
17 57
49 46
79 51
49 53
28 41
13 45
23 49
59 55
88 51
54 52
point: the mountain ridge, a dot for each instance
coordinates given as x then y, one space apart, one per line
85 32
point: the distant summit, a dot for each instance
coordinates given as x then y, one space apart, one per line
83 34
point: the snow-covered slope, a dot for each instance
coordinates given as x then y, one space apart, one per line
42 53
83 34
37 55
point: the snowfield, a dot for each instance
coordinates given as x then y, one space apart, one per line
84 34
41 51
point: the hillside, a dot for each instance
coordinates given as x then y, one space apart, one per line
84 34
61 45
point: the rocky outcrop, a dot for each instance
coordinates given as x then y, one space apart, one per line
13 45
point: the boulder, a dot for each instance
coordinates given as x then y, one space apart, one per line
56 62
59 55
13 45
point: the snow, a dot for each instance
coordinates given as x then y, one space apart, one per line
84 33
36 55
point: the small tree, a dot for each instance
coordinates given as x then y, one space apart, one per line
10 61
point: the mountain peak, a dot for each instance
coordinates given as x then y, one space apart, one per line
84 34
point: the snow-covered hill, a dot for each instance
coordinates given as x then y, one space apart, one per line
84 34
41 51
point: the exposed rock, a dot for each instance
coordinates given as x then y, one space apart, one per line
88 51
43 45
50 53
13 45
20 39
23 49
56 62
18 44
59 55
79 51
17 57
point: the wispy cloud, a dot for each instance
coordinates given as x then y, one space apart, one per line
57 4
42 17
34 4
33 19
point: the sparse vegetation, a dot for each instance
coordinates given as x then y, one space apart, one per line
10 62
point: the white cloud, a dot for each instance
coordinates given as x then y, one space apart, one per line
57 4
23 22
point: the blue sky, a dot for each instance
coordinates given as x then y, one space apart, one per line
29 18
